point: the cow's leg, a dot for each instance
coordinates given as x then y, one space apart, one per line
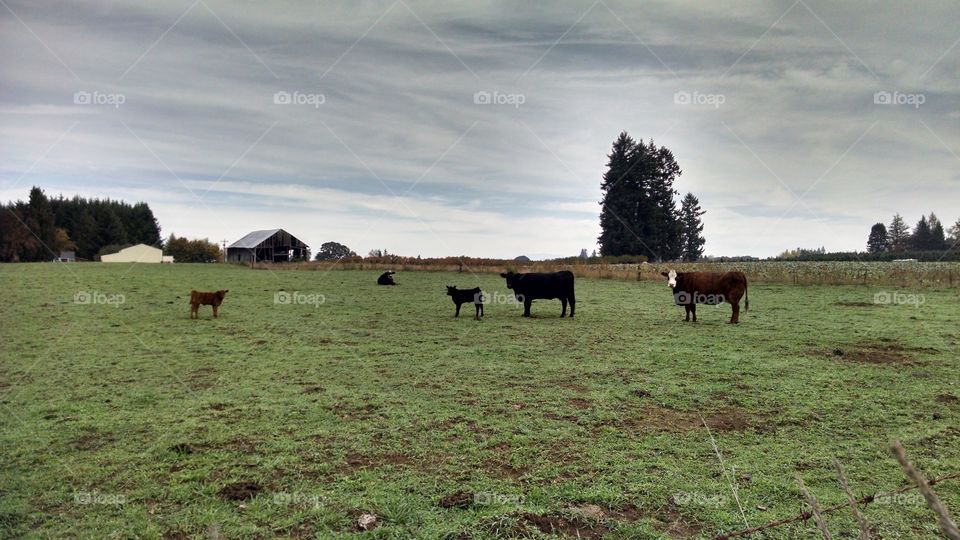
457 314
216 310
573 304
527 302
193 310
693 310
563 308
478 309
735 316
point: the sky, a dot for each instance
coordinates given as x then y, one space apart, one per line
482 128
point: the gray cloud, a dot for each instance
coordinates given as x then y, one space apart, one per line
798 148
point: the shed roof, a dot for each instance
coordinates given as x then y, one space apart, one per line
254 239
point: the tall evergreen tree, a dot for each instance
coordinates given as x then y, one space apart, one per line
691 228
938 238
620 198
898 235
664 241
878 242
921 239
955 234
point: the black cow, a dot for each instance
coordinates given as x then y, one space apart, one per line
462 296
711 288
549 285
386 278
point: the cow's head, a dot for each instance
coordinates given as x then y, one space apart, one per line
221 293
671 278
511 278
451 289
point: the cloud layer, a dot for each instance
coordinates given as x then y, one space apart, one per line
359 122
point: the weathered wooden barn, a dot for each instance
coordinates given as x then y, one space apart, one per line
271 245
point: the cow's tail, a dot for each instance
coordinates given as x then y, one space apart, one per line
746 294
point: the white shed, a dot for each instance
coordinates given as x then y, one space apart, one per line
138 253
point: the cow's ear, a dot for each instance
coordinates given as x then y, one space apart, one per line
502 275
664 274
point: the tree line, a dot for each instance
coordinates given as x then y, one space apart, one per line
927 235
639 216
41 227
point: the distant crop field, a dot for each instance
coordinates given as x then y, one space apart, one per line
317 397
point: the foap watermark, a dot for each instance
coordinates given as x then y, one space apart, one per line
297 298
297 499
895 298
499 298
900 499
97 97
88 298
698 98
95 497
486 498
484 97
314 100
899 98
683 298
695 498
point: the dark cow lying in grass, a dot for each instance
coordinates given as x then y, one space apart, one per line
463 296
386 278
711 288
198 299
529 287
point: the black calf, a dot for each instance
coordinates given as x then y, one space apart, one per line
463 296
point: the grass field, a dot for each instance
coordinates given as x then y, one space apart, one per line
123 418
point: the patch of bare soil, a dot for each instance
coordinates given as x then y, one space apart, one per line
580 403
93 440
460 499
561 526
655 417
313 389
240 491
947 398
880 353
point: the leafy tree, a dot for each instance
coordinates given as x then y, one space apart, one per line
898 235
331 251
691 228
192 251
878 241
584 254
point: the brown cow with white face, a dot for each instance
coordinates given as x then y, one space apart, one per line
711 288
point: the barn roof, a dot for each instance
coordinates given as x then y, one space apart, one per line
254 239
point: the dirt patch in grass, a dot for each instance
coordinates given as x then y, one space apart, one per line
183 449
580 403
675 525
558 525
878 353
92 440
460 499
200 379
657 418
240 491
947 398
313 389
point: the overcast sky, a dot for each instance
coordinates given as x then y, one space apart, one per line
769 107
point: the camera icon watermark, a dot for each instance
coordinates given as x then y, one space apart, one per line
887 298
314 100
884 97
697 98
297 298
96 97
88 298
484 97
900 499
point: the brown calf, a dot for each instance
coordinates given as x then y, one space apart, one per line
692 288
198 299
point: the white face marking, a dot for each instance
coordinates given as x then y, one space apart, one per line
672 279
